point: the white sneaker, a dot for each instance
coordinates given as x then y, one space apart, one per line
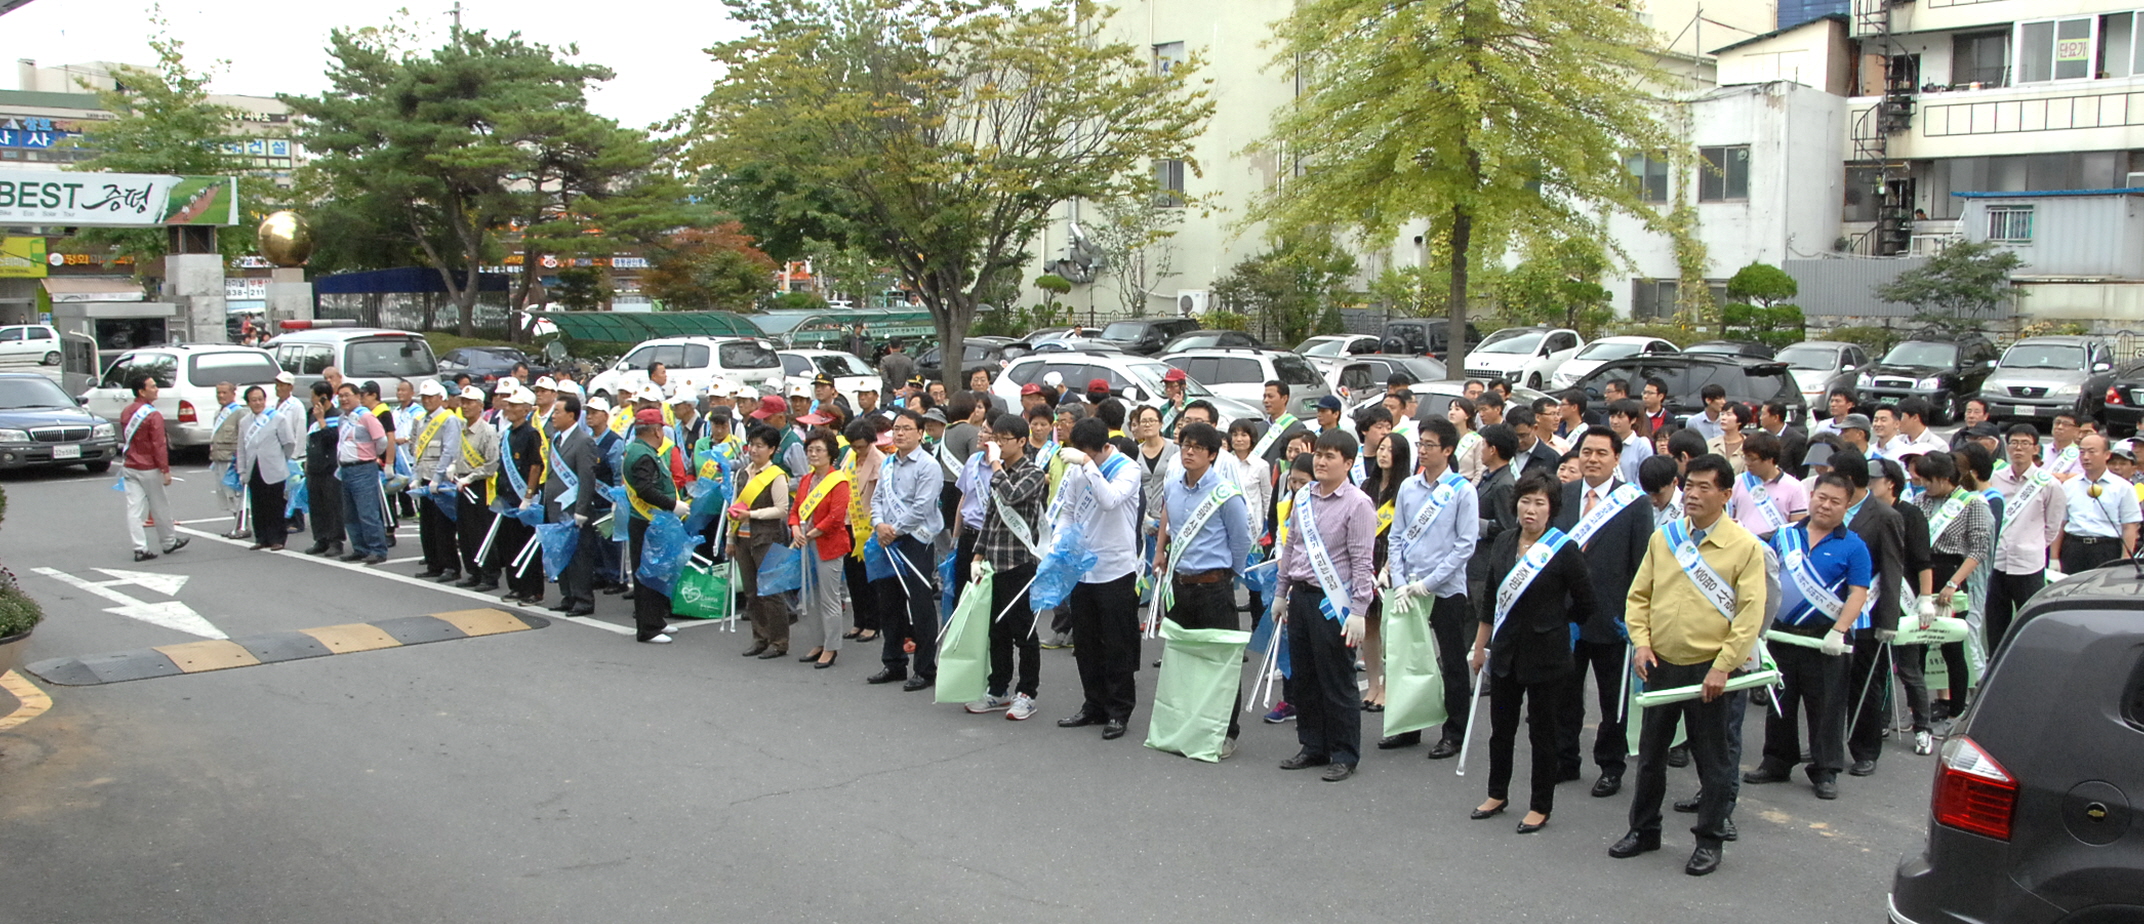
988 703
1923 743
1228 748
659 639
1023 708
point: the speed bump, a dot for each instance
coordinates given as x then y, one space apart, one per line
272 647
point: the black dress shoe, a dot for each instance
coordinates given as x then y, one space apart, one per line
316 548
831 657
580 610
1703 861
449 577
1609 784
1568 776
1732 833
1302 760
1113 729
143 556
754 651
485 587
915 683
1760 776
1481 813
1679 757
1401 740
1337 772
470 581
1443 749
1863 768
614 589
353 556
1827 789
887 675
428 573
772 653
559 607
1634 843
1079 720
1525 828
1687 806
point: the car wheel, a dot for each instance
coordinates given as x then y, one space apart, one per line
51 359
1534 381
98 468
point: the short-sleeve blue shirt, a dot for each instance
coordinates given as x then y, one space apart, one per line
1840 555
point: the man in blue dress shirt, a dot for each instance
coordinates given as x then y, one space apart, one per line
1208 539
1428 555
904 515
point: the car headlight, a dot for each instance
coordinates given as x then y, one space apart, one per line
103 431
1866 381
1927 383
2064 391
14 436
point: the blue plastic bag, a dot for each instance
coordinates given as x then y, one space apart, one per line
1259 577
664 552
781 571
949 588
559 541
232 481
448 499
707 504
297 495
878 566
1060 569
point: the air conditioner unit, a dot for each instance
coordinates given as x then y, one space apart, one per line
2134 181
1191 301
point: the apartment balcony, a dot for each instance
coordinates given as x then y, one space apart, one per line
2073 115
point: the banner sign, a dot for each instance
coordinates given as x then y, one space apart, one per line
124 200
22 258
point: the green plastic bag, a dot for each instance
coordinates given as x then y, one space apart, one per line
964 645
1201 670
703 594
1414 683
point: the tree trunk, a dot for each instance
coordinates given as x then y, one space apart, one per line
954 318
1455 332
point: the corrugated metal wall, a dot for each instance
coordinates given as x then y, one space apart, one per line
2071 235
1845 287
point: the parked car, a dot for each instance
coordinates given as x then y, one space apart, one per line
1065 344
1356 373
1686 375
850 372
188 374
1146 336
1243 374
486 365
1064 333
1944 368
1818 366
1433 397
1744 349
1592 355
1422 337
1131 377
2034 818
362 353
1526 356
30 343
2124 401
694 362
40 425
990 351
1212 339
2039 377
1326 352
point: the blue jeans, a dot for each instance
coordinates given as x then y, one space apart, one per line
361 508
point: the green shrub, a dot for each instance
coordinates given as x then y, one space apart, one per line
1225 320
18 612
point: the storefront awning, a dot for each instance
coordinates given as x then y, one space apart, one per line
633 327
93 289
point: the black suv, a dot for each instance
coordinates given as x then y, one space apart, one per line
1424 337
1146 336
2124 409
1945 369
1686 375
2034 815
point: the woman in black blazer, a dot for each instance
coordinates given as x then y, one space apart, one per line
1529 656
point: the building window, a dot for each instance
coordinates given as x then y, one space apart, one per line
1169 184
1652 299
1979 57
2010 224
1725 174
1167 56
2054 49
1649 175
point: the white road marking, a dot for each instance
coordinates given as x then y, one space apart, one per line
200 520
171 614
414 582
166 584
404 561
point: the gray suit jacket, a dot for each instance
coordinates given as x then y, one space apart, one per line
577 453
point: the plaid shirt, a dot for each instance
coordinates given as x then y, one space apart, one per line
1021 487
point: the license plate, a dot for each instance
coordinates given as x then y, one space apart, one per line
66 452
2040 411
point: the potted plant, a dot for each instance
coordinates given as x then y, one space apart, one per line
18 616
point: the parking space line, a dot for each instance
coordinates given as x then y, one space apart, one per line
30 702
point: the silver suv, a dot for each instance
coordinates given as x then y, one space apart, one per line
1131 377
2039 377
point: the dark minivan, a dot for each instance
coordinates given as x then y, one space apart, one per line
2033 819
1146 336
1686 375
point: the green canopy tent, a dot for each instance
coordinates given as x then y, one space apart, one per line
830 329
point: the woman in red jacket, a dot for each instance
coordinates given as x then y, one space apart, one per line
819 523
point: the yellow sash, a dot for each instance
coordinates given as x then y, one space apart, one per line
621 420
1384 518
1281 521
818 493
476 460
859 514
757 486
431 429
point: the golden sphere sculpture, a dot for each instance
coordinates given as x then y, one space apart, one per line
286 239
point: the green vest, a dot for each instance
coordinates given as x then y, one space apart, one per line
635 451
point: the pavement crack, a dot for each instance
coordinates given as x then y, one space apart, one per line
865 776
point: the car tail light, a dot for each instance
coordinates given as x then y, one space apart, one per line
315 324
187 414
2114 395
1973 793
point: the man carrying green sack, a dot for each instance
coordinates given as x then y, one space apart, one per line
963 655
1207 537
1008 546
1435 525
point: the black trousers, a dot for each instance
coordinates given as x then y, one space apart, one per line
1105 644
1210 606
1452 621
474 523
577 584
523 581
1608 661
1328 707
1544 704
1953 653
1706 726
1815 683
1868 689
2084 553
1013 629
323 506
908 608
269 527
863 599
442 551
651 609
2007 594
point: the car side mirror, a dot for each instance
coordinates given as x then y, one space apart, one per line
1849 367
1131 393
82 400
2101 367
1991 364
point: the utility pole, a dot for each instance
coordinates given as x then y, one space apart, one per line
457 14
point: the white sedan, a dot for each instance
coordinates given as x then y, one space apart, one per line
850 373
1593 355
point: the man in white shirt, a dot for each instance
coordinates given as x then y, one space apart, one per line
1842 405
2035 507
1914 436
1883 437
2062 457
1708 424
2102 510
1100 494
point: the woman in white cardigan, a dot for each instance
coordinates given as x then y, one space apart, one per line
265 448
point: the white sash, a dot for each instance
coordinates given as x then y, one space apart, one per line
1193 524
1709 583
1448 485
141 416
1017 524
1946 514
1522 575
2034 484
1793 547
1763 499
1280 424
1466 443
1321 562
1084 508
1360 473
1623 496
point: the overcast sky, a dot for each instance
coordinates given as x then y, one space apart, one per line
655 48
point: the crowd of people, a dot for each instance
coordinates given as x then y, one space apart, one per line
1657 555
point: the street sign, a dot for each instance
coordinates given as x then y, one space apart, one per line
171 614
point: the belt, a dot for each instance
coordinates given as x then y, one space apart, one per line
371 462
2087 540
1209 576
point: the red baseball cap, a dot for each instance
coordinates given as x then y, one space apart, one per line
648 416
1174 375
770 405
1095 385
1031 389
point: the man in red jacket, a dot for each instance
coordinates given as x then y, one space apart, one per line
145 470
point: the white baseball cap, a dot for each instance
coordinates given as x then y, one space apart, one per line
746 393
507 384
571 388
428 388
800 390
472 393
547 383
598 404
650 393
286 378
683 396
521 396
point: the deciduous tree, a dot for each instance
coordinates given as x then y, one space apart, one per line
711 268
1959 288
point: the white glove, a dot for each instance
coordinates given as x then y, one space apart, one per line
1927 610
465 480
681 509
975 570
1835 643
580 519
1072 456
1384 578
1886 635
1352 630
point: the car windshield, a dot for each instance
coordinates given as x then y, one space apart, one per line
1603 350
1320 348
247 368
398 357
743 354
1921 353
1123 330
841 365
1815 359
1148 375
32 392
2043 356
1511 341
